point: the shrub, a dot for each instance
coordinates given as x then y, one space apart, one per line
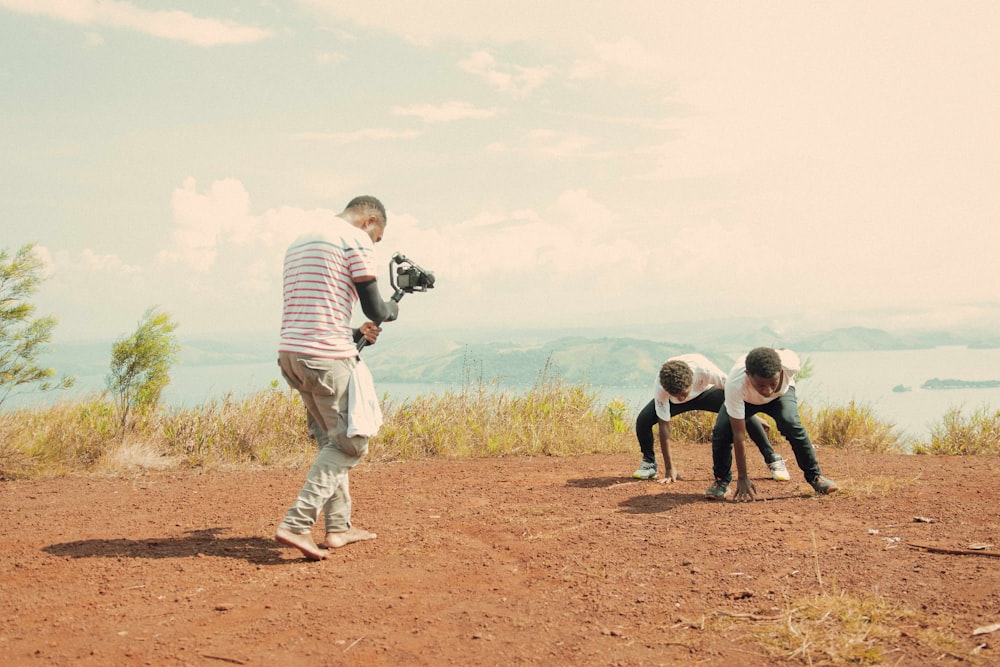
51 441
854 427
550 418
977 433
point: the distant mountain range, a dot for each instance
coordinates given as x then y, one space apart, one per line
518 358
614 360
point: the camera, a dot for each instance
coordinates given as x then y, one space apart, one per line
409 277
405 278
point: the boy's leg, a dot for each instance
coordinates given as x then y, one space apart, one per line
644 434
785 412
722 447
644 431
755 429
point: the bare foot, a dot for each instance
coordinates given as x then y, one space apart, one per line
341 539
303 543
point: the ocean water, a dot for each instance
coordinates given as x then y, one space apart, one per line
865 377
838 378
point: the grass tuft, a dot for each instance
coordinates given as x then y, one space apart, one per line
956 434
551 418
852 427
840 628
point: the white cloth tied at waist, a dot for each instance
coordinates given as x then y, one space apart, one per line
364 416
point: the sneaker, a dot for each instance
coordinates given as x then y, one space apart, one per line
779 473
822 484
717 491
646 471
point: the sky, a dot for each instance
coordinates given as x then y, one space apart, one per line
561 163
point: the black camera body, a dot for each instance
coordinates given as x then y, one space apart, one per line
409 277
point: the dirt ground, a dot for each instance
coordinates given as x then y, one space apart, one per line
499 562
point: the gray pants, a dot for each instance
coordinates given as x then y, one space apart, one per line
323 383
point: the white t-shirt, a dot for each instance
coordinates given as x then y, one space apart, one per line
739 390
319 294
706 374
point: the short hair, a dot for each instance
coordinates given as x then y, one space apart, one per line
763 362
368 204
676 376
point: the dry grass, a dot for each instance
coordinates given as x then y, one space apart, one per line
267 429
836 629
551 418
977 433
853 427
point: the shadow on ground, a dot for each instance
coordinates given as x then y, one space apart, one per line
194 544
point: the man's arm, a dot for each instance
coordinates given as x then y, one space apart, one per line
745 489
669 474
374 308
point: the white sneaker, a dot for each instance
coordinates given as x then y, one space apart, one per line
646 471
779 473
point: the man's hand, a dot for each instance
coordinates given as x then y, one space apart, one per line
745 490
670 475
370 331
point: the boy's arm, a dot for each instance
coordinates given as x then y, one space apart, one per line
669 474
745 489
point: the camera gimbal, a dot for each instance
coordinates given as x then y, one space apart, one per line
406 277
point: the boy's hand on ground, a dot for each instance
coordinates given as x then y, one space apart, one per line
745 490
669 475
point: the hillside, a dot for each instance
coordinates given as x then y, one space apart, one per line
517 357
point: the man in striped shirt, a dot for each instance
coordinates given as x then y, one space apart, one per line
327 269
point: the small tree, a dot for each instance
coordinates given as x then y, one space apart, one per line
140 364
23 337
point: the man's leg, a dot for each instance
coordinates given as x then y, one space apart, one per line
332 410
322 383
339 531
322 480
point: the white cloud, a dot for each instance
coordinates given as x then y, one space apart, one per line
167 24
627 55
510 78
330 58
443 113
547 144
367 134
571 247
63 263
203 220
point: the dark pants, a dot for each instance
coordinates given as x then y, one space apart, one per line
710 400
785 412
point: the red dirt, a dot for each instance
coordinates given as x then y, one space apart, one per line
495 562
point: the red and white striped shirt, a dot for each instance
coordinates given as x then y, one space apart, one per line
319 294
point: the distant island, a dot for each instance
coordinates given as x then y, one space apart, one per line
935 383
900 388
